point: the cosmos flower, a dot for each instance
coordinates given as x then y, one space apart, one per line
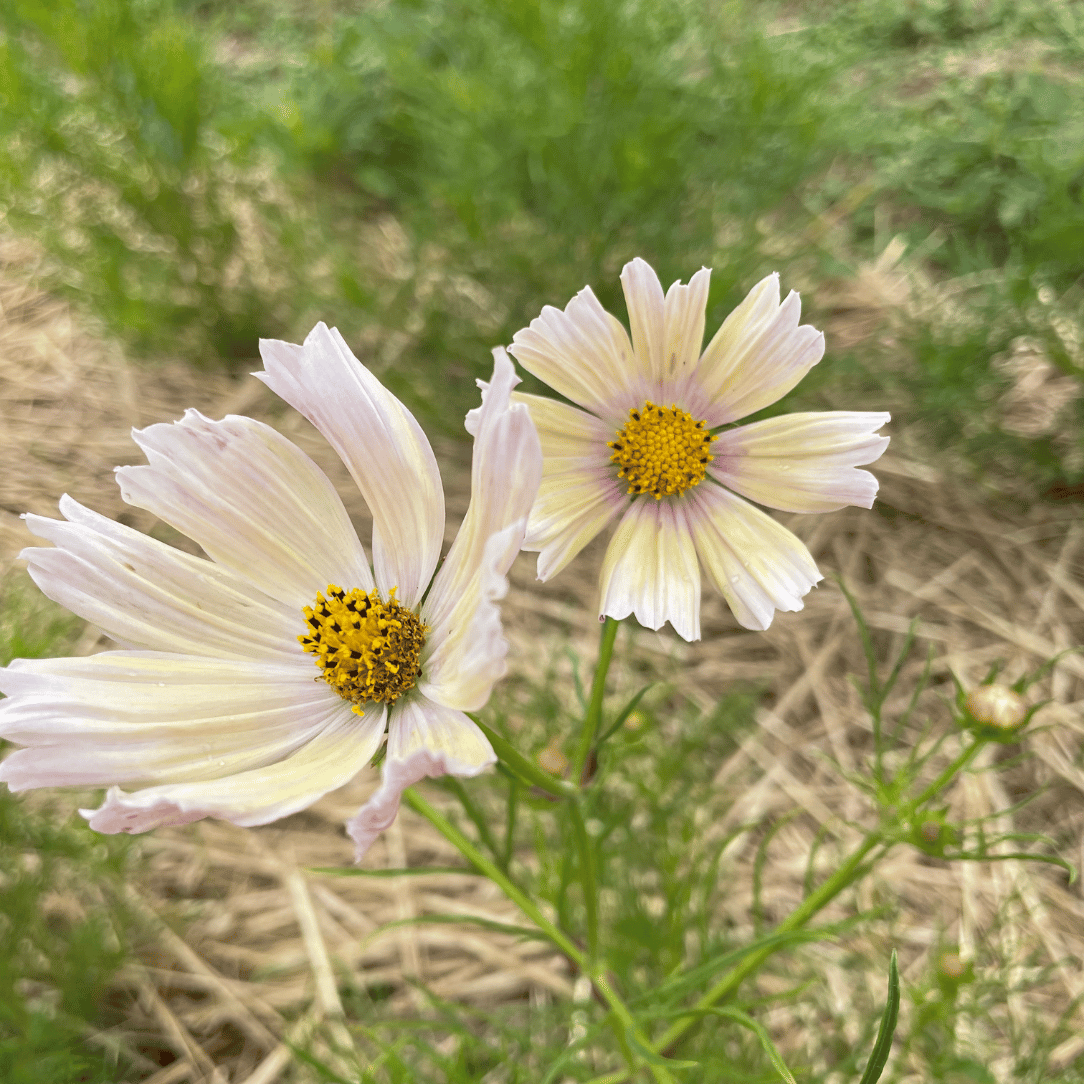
249 685
650 444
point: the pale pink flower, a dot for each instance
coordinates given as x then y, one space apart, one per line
212 702
654 449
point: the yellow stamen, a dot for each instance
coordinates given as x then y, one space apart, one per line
661 451
365 648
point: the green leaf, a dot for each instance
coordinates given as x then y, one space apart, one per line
761 1033
625 712
517 763
883 1046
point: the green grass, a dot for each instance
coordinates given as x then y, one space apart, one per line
203 173
62 935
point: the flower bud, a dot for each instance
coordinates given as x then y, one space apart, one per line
997 709
952 966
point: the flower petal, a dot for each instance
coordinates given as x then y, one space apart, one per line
683 334
424 739
145 594
381 444
585 354
757 356
647 319
565 430
506 470
124 716
650 569
253 500
329 760
757 564
803 462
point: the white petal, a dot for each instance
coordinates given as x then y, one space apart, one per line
585 354
125 716
650 569
424 739
757 356
574 504
564 430
683 320
329 760
465 651
381 444
647 321
253 500
505 473
145 594
803 462
757 564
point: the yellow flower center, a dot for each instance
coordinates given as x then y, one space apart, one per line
661 451
367 649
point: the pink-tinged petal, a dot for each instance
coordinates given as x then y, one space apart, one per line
145 594
149 716
650 569
424 740
506 470
683 335
565 431
253 500
756 563
757 356
585 354
381 444
647 320
803 462
574 504
329 760
464 654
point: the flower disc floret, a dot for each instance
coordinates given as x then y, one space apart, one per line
367 649
661 451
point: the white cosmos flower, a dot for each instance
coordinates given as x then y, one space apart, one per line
649 448
213 701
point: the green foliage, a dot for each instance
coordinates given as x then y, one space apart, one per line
61 938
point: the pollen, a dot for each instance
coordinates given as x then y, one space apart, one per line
661 451
366 649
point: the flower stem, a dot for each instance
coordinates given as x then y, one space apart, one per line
594 707
949 773
593 970
588 879
816 901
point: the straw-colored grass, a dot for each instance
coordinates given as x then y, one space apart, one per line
269 946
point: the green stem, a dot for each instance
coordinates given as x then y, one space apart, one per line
593 971
588 879
594 707
512 758
949 773
726 986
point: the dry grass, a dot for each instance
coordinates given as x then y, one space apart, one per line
270 946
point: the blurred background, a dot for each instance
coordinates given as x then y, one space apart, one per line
426 174
179 178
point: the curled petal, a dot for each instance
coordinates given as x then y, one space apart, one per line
465 651
650 569
326 762
505 473
803 462
384 448
585 354
252 499
145 594
756 563
424 739
757 356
